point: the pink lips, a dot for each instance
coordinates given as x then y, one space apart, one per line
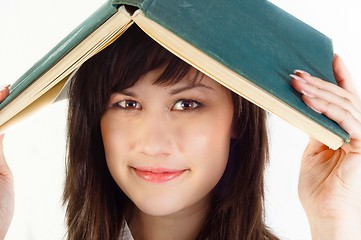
158 175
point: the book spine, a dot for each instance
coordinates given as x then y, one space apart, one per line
134 3
143 5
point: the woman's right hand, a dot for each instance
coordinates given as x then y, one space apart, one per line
6 183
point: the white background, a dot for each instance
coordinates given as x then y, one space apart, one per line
35 150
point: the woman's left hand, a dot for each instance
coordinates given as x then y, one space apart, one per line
330 180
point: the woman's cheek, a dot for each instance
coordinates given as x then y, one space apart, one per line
206 140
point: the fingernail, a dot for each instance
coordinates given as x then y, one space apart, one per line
308 94
301 72
4 86
314 109
298 78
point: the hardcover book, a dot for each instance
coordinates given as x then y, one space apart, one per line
249 46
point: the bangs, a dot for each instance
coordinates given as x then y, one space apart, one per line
135 54
120 66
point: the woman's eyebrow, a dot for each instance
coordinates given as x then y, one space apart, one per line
127 92
189 87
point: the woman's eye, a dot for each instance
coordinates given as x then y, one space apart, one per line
128 105
183 105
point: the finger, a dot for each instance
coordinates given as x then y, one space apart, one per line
344 118
338 97
342 75
4 92
333 101
301 77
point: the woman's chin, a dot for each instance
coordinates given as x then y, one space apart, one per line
158 208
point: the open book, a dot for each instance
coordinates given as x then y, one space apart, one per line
249 46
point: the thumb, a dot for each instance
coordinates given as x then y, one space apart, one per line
314 147
6 193
4 169
1 149
342 75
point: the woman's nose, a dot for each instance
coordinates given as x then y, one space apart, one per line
155 136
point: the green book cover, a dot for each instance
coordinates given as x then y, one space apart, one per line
60 50
253 38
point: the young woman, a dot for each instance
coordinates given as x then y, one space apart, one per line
159 150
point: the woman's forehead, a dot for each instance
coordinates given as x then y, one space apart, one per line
193 79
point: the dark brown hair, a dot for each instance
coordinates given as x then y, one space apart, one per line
96 206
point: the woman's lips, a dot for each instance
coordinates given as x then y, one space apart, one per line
158 175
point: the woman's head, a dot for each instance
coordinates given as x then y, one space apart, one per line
133 104
167 146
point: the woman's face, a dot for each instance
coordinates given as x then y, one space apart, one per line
167 147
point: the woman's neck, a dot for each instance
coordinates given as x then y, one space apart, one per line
183 225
